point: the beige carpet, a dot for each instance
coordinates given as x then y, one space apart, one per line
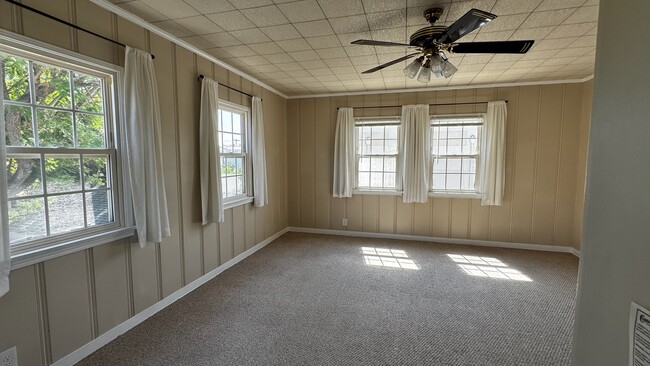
328 300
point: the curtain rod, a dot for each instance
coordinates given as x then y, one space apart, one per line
430 105
229 87
14 2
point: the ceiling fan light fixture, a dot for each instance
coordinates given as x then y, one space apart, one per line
437 64
425 73
412 69
448 69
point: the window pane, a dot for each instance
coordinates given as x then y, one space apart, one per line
389 180
454 146
226 118
16 78
391 132
376 180
377 147
439 181
454 132
453 181
90 131
468 182
364 164
231 189
364 179
62 174
469 165
453 165
237 144
240 185
95 171
99 209
54 128
376 164
18 126
24 177
236 123
439 165
52 86
390 164
65 213
88 93
377 132
26 220
227 143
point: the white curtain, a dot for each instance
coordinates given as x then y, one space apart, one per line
415 143
143 147
260 189
210 164
5 255
493 161
344 154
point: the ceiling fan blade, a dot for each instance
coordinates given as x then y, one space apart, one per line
389 63
492 47
469 22
369 42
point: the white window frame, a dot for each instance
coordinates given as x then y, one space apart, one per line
481 150
247 197
381 121
27 253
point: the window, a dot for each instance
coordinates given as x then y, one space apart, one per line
234 128
456 148
62 162
377 152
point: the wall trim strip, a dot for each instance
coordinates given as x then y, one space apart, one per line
120 329
434 239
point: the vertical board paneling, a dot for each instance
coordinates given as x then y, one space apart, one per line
293 161
322 159
239 230
306 141
370 218
111 285
226 238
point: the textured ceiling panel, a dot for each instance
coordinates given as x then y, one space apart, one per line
303 47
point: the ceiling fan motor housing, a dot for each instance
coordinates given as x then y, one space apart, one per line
424 37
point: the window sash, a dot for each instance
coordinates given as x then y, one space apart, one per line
245 114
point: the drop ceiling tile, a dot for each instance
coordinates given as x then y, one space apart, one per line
492 36
199 25
239 51
553 44
337 8
338 62
359 50
547 18
266 48
288 66
559 4
392 35
307 55
302 11
527 64
539 55
278 75
347 38
266 68
476 59
584 14
198 42
313 64
253 35
592 32
300 73
292 45
504 7
321 42
414 16
314 28
277 58
351 24
331 53
386 57
574 51
281 32
245 4
231 20
584 41
172 8
458 8
570 30
505 57
255 60
265 16
210 6
531 33
388 19
143 11
558 61
173 28
222 39
375 6
364 60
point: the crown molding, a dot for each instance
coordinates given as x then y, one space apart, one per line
442 88
144 24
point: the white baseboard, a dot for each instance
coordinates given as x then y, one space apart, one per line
120 329
434 239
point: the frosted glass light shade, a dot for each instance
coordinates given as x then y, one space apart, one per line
425 75
412 69
448 69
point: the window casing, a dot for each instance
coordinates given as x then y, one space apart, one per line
64 181
234 150
456 151
377 153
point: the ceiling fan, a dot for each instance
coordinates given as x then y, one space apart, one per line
433 42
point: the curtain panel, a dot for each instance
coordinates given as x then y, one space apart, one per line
260 189
143 147
210 164
344 154
493 161
415 146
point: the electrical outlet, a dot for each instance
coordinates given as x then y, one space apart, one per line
9 357
344 222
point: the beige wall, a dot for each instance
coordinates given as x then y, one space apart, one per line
57 306
544 134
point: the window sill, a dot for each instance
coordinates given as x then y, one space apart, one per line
237 202
370 192
53 251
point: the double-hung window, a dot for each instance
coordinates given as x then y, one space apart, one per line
234 149
377 153
62 164
456 153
